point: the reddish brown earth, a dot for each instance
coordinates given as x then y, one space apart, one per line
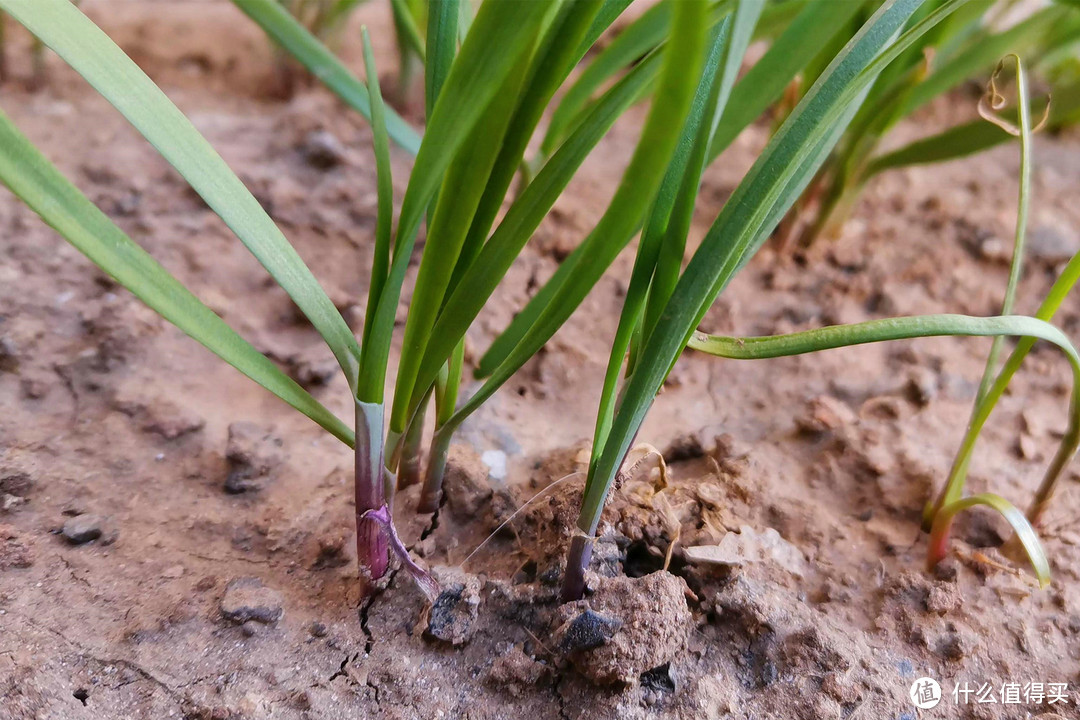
191 602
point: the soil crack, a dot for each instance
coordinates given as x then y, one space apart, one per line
432 525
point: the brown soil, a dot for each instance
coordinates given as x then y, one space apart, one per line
132 585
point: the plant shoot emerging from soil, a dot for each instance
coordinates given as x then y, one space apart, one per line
843 73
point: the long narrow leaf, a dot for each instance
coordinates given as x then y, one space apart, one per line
463 188
874 331
552 63
384 183
1025 533
634 42
976 136
766 80
442 35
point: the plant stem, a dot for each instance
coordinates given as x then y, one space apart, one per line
411 450
1025 534
446 392
574 580
436 468
371 547
37 57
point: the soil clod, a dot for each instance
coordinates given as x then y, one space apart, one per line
515 671
321 149
654 625
247 599
825 414
466 482
452 617
14 550
253 454
159 416
587 631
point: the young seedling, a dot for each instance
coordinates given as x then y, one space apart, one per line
477 75
994 382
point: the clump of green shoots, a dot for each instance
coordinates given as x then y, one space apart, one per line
677 303
486 96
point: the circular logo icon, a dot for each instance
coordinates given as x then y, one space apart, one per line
925 693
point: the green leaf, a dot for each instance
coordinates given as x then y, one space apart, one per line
93 55
610 11
384 183
660 250
990 388
642 37
442 36
554 61
409 33
288 32
976 136
883 330
500 35
636 41
1023 202
462 190
933 326
474 190
678 206
60 204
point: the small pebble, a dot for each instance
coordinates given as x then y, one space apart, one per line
323 150
1026 447
317 629
250 628
82 529
496 462
587 631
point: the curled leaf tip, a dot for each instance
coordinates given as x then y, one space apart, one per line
992 101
